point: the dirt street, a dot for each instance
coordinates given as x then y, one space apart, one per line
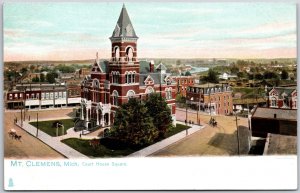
29 147
210 141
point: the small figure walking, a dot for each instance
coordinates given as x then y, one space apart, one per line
79 135
29 118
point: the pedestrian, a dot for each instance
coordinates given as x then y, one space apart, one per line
79 135
29 118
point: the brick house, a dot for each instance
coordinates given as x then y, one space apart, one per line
213 98
35 95
282 97
112 83
182 83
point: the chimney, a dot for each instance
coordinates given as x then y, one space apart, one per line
151 66
275 116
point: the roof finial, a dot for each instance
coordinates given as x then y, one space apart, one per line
124 6
96 55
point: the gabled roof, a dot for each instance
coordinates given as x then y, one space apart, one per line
280 90
161 67
96 67
124 27
288 114
149 78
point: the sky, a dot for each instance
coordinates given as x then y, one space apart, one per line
76 31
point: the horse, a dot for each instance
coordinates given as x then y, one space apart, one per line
94 143
12 133
18 137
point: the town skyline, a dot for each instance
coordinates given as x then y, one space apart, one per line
244 30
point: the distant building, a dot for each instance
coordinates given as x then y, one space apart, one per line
213 98
182 83
226 76
282 97
84 72
276 121
32 96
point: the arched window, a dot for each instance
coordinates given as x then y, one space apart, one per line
129 54
117 53
168 93
115 95
126 78
130 94
115 77
133 77
273 102
149 90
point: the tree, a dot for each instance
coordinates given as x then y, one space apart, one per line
133 124
241 75
42 77
284 75
250 76
259 76
24 70
51 77
234 69
65 69
270 75
212 76
178 62
35 79
160 112
187 73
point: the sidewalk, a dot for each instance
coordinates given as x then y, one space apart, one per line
166 142
53 142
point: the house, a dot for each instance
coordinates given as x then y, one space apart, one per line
213 98
37 96
282 97
275 121
182 83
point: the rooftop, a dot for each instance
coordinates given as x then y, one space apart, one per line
124 28
280 144
208 85
287 114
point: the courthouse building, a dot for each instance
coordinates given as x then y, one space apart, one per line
112 83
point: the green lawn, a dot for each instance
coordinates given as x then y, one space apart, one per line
176 129
84 147
46 126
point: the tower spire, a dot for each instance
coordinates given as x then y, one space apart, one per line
124 28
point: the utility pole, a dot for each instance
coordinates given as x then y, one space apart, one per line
198 120
237 132
37 124
21 117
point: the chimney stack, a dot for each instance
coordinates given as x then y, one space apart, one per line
151 66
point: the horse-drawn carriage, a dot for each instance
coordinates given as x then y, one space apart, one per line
213 122
13 134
